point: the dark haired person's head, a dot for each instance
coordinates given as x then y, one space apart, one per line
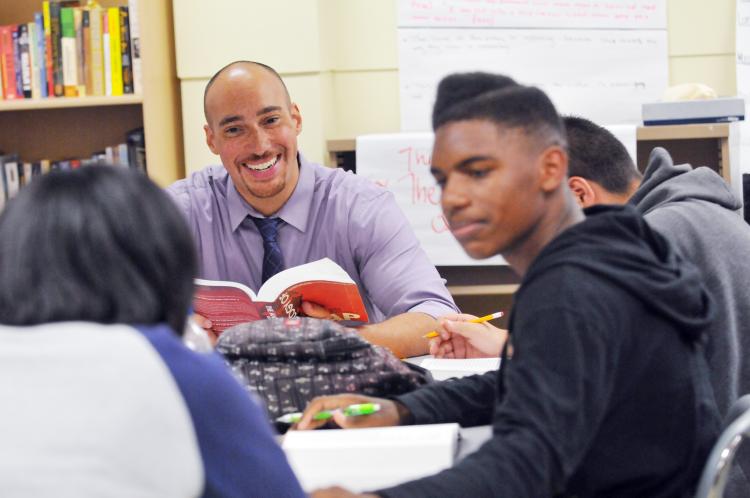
500 158
600 170
459 87
100 244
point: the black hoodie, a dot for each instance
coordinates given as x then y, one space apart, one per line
607 392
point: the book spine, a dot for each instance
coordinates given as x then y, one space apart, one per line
80 53
57 59
2 79
96 60
113 14
9 62
135 47
17 62
3 184
11 178
137 149
69 53
41 54
49 66
86 52
24 51
107 54
36 169
34 61
127 67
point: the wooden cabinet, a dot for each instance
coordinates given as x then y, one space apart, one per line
63 128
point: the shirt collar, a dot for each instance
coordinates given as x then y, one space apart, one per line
295 211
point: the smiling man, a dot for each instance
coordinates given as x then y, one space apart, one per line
316 212
606 394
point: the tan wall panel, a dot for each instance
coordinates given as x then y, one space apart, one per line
307 92
717 71
360 33
366 102
281 33
701 27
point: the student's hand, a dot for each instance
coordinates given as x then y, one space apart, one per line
206 325
315 310
461 339
337 492
388 414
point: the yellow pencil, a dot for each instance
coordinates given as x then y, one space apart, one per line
481 319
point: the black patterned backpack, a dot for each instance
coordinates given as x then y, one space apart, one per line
287 362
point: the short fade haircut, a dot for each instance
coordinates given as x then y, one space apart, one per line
236 63
596 154
499 99
100 244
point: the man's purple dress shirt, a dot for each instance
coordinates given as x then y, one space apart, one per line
331 213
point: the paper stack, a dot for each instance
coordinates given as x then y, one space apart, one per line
370 459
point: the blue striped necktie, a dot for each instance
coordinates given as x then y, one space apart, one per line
273 260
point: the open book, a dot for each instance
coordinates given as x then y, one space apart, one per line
321 282
368 459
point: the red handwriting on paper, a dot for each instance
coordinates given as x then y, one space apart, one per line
417 167
422 188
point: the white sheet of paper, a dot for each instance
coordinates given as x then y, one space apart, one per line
444 368
633 14
602 75
368 459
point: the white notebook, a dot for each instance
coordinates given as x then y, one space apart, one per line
370 459
443 368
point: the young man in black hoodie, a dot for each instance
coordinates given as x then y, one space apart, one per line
606 394
697 212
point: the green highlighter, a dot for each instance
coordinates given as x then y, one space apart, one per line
349 411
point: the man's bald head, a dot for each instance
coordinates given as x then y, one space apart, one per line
250 66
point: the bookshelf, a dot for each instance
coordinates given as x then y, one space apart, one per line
65 127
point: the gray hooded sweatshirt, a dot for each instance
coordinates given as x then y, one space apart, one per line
697 211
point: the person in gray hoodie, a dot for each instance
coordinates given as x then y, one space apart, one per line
696 210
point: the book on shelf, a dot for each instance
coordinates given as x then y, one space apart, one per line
371 458
135 47
69 52
136 140
24 57
48 66
10 169
81 31
322 282
38 70
115 55
8 62
8 179
57 58
127 65
17 62
95 60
